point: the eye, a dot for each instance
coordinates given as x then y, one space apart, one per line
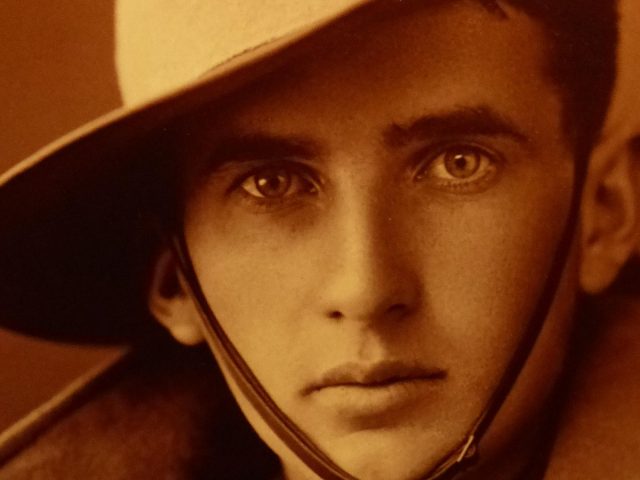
459 167
276 183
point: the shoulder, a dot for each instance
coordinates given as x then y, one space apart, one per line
159 412
598 434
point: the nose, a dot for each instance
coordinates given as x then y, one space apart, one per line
370 276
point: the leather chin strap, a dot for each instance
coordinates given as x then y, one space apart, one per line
465 453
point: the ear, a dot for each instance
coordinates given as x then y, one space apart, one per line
169 302
609 219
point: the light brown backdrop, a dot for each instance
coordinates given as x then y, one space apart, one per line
56 72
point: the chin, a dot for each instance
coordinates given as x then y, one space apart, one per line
389 454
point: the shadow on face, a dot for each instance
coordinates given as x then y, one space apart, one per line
373 226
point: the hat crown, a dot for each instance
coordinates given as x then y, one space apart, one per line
162 45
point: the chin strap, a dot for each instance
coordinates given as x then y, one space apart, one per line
466 452
260 400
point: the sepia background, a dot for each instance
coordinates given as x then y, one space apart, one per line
56 72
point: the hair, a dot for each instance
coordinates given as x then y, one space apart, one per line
583 38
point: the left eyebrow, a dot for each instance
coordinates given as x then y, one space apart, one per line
467 121
259 146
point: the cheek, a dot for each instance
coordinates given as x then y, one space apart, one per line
486 269
258 280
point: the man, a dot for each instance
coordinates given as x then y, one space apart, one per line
390 217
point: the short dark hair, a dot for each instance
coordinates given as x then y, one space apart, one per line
582 38
583 35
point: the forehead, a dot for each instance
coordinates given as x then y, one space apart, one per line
402 61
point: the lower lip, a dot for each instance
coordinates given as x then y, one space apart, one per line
369 401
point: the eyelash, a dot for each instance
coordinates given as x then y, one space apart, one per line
426 159
294 169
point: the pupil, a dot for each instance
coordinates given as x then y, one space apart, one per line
273 184
462 165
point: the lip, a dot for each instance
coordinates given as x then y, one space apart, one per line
380 374
357 390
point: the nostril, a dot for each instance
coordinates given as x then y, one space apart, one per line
397 309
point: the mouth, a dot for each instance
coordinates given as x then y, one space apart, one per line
368 391
378 375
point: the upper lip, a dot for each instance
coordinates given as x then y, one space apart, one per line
374 375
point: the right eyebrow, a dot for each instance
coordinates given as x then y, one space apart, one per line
259 147
478 120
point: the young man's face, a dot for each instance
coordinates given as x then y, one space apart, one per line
373 227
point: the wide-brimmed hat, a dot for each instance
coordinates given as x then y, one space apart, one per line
74 240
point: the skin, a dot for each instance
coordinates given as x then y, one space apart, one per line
371 204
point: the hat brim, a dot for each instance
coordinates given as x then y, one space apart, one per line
74 243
